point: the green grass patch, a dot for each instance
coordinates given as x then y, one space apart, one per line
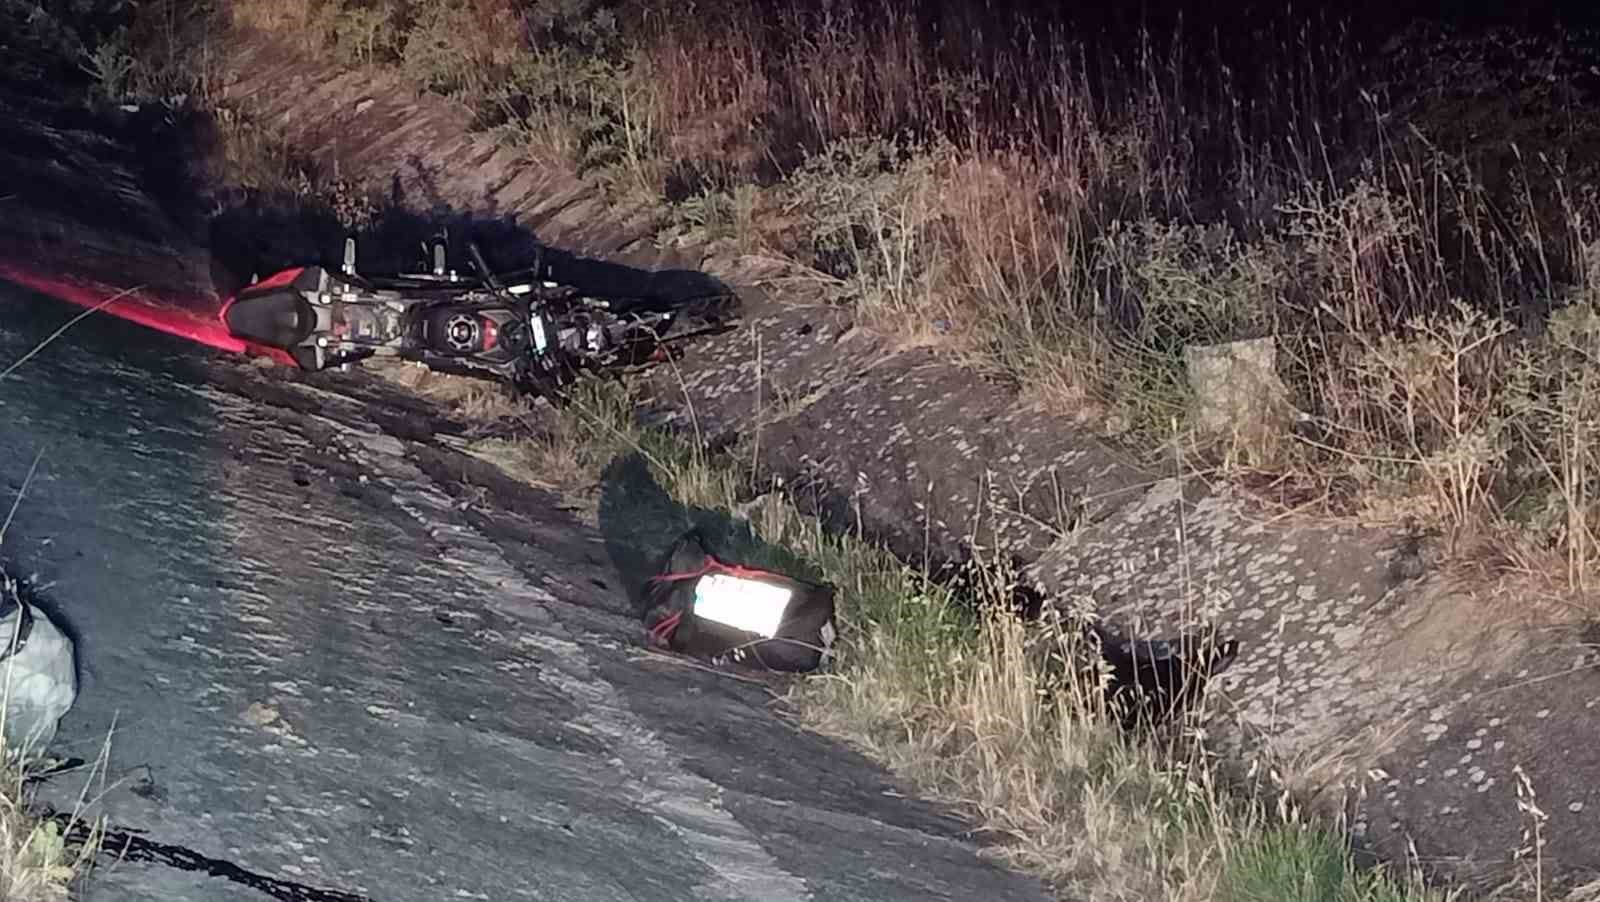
1306 864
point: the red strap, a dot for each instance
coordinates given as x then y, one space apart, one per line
666 626
712 565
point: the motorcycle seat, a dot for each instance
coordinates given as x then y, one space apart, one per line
281 318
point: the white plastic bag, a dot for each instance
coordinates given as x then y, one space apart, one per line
38 674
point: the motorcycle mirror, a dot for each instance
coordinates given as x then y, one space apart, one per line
349 256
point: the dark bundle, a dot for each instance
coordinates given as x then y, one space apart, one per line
1153 681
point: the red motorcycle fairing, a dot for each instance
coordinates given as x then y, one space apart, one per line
276 280
181 321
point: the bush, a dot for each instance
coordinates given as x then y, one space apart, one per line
871 208
51 41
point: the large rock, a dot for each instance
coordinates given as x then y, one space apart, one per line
1238 397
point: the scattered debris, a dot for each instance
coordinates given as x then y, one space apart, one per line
1153 681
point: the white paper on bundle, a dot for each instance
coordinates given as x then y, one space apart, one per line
38 680
744 604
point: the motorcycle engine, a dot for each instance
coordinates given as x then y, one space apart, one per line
588 338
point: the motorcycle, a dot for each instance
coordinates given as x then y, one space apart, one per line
517 327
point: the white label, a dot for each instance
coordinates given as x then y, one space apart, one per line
520 289
744 604
538 334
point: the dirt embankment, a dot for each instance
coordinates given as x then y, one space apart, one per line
66 178
1357 659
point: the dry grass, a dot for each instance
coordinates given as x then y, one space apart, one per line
553 458
36 862
1082 268
474 399
977 709
251 157
285 16
551 461
1077 232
